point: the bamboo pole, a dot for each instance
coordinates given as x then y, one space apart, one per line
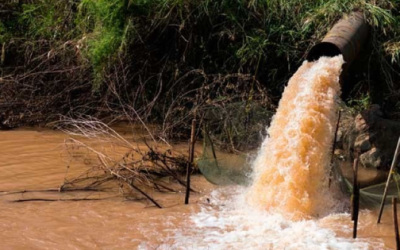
395 223
355 182
191 158
356 208
394 163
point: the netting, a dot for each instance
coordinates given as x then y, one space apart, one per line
232 134
223 168
372 195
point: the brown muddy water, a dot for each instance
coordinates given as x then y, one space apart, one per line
36 159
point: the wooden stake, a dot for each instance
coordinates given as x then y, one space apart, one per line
356 208
336 132
333 148
395 223
394 163
355 181
191 158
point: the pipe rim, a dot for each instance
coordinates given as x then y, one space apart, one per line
323 49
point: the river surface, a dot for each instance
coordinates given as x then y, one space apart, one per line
36 159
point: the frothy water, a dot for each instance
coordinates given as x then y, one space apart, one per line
289 201
291 168
230 223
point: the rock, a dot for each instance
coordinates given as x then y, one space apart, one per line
371 158
367 118
360 123
346 127
374 110
363 143
339 154
371 134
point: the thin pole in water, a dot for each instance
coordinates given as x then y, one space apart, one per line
394 163
333 148
395 223
356 208
355 181
191 158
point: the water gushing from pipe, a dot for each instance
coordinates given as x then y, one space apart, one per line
291 169
290 206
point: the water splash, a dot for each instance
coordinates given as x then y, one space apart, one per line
229 223
291 168
290 206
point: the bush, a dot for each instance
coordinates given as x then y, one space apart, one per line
137 50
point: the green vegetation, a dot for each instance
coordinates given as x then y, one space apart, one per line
133 52
103 23
360 104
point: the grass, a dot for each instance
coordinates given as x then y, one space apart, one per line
362 103
103 22
246 31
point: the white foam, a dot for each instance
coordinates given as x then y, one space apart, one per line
228 223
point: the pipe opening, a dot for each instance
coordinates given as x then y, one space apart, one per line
323 49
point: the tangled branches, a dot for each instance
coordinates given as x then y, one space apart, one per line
235 107
48 81
136 170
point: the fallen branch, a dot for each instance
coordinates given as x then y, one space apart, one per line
72 199
53 190
137 170
129 183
